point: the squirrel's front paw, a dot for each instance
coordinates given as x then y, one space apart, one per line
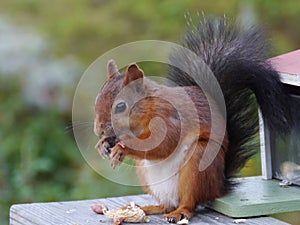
103 147
117 155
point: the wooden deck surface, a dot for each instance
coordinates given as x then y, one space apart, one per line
80 213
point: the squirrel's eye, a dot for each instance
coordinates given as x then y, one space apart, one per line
120 107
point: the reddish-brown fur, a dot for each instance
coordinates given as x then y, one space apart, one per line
194 186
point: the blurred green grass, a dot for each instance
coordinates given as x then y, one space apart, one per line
39 159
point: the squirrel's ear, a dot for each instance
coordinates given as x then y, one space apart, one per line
112 68
133 72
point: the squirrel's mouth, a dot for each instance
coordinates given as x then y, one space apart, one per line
114 140
111 142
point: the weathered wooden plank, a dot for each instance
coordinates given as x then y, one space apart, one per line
79 212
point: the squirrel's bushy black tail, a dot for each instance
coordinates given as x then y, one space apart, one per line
238 59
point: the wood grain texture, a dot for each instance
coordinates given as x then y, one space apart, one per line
80 213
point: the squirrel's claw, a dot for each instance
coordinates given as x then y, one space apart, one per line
116 156
105 150
171 219
103 147
178 216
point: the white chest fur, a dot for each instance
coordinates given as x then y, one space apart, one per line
162 177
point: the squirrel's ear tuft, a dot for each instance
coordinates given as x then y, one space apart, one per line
133 72
112 68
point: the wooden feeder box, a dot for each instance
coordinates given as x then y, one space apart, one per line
277 190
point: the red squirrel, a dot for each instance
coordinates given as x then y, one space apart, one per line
175 121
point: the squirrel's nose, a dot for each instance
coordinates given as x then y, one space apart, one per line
102 128
99 129
108 126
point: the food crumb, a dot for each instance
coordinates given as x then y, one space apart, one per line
240 221
183 221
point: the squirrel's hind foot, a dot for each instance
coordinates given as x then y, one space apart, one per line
178 215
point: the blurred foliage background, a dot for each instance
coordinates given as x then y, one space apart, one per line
45 47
